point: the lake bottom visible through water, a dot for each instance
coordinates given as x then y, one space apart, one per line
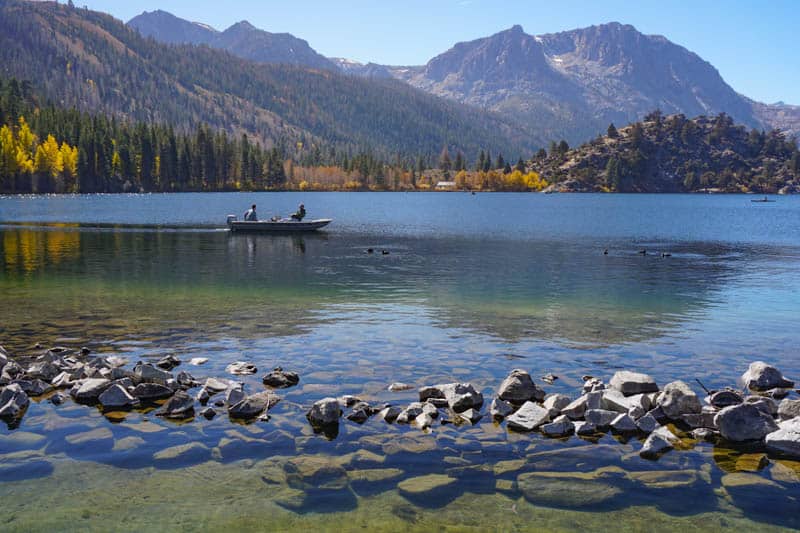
433 309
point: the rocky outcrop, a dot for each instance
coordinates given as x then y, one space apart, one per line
180 406
13 402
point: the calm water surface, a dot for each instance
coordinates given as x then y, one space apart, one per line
472 287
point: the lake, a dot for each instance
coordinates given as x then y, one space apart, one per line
470 287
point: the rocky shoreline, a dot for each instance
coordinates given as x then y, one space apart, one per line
760 414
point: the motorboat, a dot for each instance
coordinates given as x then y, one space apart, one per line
762 200
281 225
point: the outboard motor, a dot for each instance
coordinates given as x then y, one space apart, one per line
231 218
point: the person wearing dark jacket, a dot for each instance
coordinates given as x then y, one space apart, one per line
300 214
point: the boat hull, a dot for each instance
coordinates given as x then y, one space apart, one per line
266 226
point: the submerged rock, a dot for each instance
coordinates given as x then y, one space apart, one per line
678 399
280 379
630 383
518 388
762 377
566 490
744 422
399 387
208 413
786 440
425 486
528 417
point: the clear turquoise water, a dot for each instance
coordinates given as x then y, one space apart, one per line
473 286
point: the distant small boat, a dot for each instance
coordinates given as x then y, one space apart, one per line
762 200
277 226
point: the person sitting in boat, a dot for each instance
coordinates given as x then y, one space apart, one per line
300 214
250 215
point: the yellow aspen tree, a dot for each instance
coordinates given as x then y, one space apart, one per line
26 140
8 153
48 158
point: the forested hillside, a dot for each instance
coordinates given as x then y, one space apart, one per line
93 62
676 154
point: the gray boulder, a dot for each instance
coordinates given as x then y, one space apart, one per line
554 403
253 405
411 412
528 417
168 362
424 420
584 428
180 406
234 394
647 424
518 387
461 396
560 427
214 385
789 409
241 368
431 392
768 405
762 377
34 387
148 392
623 423
281 379
324 412
600 417
630 383
786 440
390 413
614 400
472 416
745 422
677 399
500 408
147 373
660 441
208 413
90 389
13 402
576 409
43 370
117 397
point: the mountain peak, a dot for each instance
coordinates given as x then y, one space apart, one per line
516 28
242 25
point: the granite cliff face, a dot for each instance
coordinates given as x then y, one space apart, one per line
573 84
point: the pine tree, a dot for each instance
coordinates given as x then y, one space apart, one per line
444 160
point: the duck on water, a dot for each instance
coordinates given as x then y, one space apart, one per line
294 223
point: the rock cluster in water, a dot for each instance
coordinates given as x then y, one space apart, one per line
630 404
105 382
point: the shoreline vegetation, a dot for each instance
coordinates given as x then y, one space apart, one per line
47 149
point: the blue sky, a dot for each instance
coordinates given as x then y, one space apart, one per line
753 44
